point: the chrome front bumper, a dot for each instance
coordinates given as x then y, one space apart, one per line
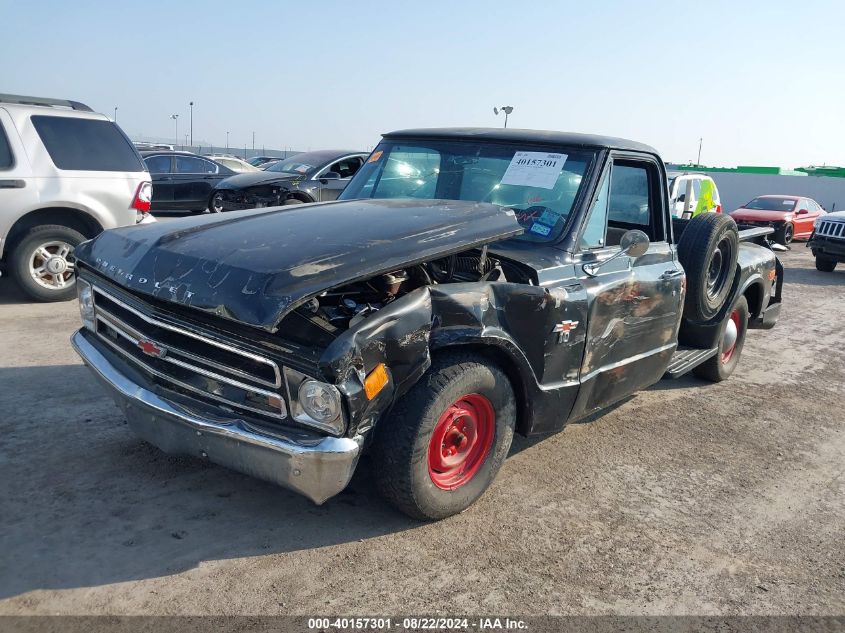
319 470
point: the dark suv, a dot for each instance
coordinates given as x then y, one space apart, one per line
828 241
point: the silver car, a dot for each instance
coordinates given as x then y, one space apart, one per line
66 173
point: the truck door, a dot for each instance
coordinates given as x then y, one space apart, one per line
634 305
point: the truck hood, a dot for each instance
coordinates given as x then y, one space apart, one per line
252 178
255 266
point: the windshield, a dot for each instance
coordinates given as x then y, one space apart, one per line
293 166
772 204
541 184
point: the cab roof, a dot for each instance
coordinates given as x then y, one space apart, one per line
515 135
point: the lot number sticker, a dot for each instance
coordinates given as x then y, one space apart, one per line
534 169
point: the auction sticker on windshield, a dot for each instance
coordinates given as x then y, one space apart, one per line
534 169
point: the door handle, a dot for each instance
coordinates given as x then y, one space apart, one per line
671 274
12 184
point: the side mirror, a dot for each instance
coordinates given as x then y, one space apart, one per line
634 243
330 175
802 212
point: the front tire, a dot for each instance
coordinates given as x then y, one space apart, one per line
445 440
43 265
215 203
731 339
785 234
824 264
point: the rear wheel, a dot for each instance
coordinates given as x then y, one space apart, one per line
824 264
293 201
43 264
732 338
446 439
708 251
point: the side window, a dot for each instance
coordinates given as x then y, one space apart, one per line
347 167
594 233
634 201
191 165
158 164
686 185
696 189
715 190
6 158
629 195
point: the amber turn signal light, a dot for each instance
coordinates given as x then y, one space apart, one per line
375 381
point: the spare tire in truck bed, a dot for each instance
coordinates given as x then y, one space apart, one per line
708 249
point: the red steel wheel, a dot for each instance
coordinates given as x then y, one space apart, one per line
461 440
730 337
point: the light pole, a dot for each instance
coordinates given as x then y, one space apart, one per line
253 142
506 109
698 162
227 141
175 118
115 114
192 122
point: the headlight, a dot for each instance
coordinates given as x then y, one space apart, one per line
320 401
85 294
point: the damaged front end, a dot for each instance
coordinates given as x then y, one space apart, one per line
237 341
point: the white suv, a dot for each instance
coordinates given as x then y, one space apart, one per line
66 173
685 189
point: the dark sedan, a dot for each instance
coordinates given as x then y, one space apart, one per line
183 181
307 177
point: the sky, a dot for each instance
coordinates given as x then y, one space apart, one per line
762 83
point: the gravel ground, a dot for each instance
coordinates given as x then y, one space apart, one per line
690 498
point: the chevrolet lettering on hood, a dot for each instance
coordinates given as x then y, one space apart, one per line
462 289
119 273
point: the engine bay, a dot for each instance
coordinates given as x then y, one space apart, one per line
341 308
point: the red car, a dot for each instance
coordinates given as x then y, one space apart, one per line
790 216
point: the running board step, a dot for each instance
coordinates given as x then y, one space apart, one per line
685 359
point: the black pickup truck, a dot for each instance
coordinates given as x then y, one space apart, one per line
469 284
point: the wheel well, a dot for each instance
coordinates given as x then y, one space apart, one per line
506 363
71 218
754 297
299 195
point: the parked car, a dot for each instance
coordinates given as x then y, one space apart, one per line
259 161
791 216
685 192
828 241
66 173
307 177
232 162
469 284
183 181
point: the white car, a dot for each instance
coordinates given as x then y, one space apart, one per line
685 190
232 162
66 173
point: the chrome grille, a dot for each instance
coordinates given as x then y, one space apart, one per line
188 361
831 229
